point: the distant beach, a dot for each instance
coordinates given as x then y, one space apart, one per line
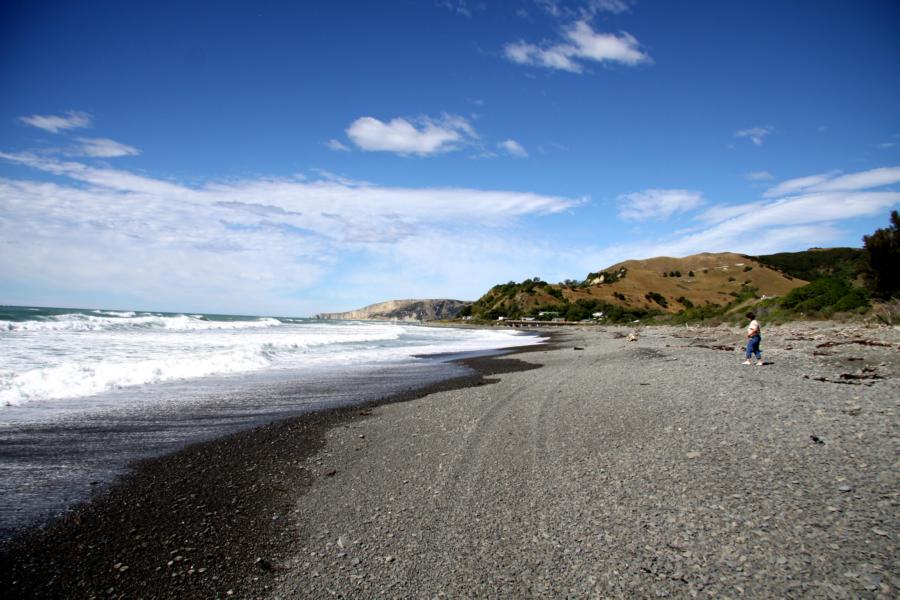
589 466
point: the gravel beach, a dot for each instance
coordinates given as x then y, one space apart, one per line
590 467
661 467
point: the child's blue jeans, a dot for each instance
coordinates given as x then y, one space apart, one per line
753 347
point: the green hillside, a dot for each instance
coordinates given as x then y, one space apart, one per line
848 264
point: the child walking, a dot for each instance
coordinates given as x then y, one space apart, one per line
754 337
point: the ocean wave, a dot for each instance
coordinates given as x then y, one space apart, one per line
86 322
82 376
127 352
73 380
115 313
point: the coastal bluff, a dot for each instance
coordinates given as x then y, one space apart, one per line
401 310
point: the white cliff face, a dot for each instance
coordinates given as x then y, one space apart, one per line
401 310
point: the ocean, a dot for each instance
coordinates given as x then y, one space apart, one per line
84 392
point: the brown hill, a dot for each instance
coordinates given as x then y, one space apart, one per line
705 278
662 283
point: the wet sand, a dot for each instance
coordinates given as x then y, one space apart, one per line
48 464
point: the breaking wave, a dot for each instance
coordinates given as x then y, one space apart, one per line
111 320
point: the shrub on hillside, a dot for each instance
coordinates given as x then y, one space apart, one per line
685 302
694 314
657 297
825 296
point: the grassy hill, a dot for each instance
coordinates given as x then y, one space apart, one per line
700 279
640 288
848 264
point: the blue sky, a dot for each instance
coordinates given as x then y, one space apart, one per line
288 158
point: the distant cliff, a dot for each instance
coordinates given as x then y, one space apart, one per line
402 310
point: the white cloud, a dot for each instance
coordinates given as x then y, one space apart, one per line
250 244
789 222
513 148
861 181
588 8
795 185
551 7
612 6
833 181
657 204
756 134
337 146
763 228
758 176
56 123
104 148
581 43
463 263
600 47
798 221
723 212
462 7
556 57
404 137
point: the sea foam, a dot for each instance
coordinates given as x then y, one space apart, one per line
129 320
58 355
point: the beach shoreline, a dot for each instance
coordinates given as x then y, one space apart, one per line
591 466
193 505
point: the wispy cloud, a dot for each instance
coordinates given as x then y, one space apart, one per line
337 146
798 217
580 44
612 6
800 183
582 8
462 7
655 204
104 148
513 148
56 123
257 240
834 181
423 136
759 176
756 134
